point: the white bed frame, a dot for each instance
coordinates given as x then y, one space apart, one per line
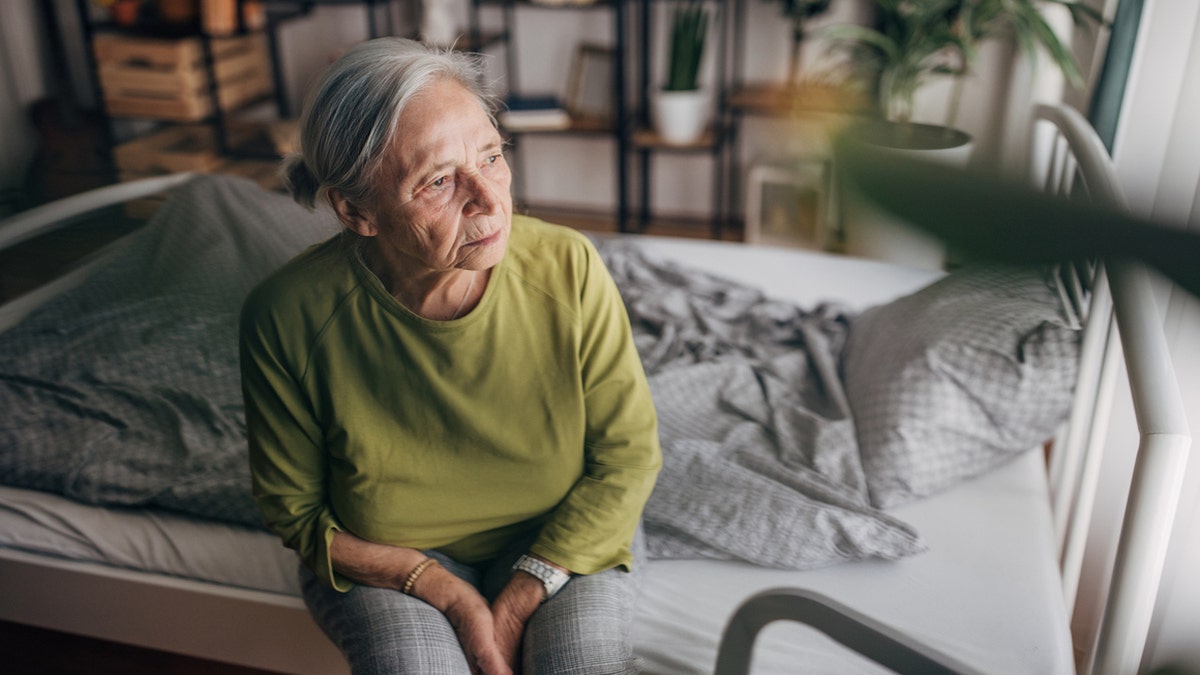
206 620
275 632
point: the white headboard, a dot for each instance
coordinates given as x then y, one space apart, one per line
1123 322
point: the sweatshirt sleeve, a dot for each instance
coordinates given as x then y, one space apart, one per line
288 464
593 527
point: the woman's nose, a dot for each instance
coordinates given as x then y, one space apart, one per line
486 197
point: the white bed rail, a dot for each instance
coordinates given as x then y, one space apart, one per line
1077 160
1164 443
1068 158
1122 313
873 639
63 212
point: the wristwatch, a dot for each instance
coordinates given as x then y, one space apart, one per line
552 578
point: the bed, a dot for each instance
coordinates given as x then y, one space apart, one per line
950 561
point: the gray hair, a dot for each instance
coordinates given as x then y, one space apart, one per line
349 118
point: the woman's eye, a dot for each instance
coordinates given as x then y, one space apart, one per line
439 182
492 159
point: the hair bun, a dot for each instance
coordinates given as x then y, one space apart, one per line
300 181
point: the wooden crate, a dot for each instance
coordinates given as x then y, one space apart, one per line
167 79
175 148
265 173
242 69
169 150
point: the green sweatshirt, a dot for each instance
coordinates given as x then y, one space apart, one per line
531 414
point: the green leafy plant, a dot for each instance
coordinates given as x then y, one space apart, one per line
689 31
914 39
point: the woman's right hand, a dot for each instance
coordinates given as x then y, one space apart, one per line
389 566
470 615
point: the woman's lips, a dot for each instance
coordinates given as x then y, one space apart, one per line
490 239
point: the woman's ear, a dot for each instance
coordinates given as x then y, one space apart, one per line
354 218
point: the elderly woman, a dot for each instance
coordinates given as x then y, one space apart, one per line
447 416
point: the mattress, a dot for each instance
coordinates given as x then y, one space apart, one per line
987 591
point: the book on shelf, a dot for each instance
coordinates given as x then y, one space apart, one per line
530 113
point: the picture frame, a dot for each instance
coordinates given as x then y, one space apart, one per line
590 87
787 203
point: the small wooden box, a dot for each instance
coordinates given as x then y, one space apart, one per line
265 173
173 149
166 79
170 150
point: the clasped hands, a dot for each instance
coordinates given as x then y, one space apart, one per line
491 636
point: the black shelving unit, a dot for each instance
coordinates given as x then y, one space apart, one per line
773 100
617 128
645 143
276 14
631 128
390 9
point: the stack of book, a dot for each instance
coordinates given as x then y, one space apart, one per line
533 113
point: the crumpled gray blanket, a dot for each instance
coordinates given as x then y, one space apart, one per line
760 461
126 390
138 403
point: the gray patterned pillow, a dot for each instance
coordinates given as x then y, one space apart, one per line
957 378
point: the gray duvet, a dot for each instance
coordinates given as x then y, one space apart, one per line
124 391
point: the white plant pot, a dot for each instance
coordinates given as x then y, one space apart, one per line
680 117
871 232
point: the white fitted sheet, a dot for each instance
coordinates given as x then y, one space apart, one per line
803 277
987 592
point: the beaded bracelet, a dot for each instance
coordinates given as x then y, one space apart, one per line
416 572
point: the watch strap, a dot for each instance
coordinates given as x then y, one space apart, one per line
552 578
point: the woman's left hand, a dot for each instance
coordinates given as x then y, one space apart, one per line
511 611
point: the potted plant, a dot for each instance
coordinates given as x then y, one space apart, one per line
913 40
681 107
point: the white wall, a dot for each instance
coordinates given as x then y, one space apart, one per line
22 81
309 44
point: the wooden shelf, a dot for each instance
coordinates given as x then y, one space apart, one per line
648 139
632 144
578 125
553 4
589 220
783 100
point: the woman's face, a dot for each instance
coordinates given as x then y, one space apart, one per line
442 196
